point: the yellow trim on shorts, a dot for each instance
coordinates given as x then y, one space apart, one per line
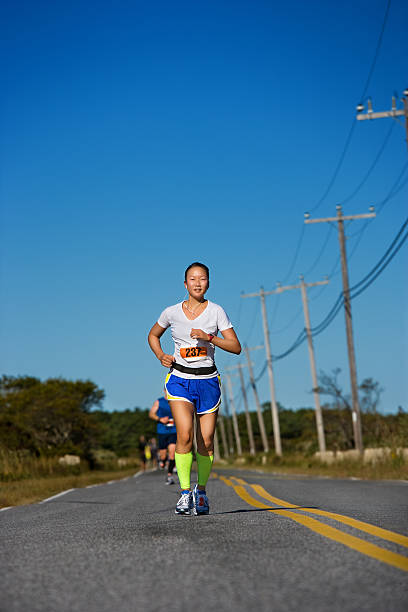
170 397
211 409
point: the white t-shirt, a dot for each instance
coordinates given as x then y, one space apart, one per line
191 352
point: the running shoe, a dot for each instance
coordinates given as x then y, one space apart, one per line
200 502
184 504
169 480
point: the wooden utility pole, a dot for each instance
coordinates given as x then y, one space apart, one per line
234 416
257 402
339 219
216 447
247 415
318 412
229 426
274 406
393 113
222 429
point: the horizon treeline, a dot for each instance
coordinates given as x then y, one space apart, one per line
57 416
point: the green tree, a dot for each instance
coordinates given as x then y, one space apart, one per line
51 416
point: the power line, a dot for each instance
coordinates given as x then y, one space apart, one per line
319 293
275 311
370 282
387 252
353 123
362 285
371 168
377 50
394 191
297 250
322 250
339 165
282 329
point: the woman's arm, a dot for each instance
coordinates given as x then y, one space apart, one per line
229 342
154 342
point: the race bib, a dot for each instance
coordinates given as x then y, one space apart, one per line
193 353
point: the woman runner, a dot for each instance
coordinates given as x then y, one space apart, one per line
193 383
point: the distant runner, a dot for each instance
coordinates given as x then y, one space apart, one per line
193 383
166 433
144 452
155 452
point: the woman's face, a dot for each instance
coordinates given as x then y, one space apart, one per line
197 282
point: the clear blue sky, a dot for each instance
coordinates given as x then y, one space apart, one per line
138 137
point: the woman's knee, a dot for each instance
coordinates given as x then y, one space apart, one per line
185 438
205 446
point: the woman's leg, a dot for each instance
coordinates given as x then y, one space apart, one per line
205 446
183 417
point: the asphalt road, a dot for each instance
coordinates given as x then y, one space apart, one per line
270 543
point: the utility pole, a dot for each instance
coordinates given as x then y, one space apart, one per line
216 447
257 402
234 416
229 426
318 412
247 415
339 219
274 406
393 113
223 436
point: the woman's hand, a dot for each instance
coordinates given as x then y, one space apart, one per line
199 334
154 341
166 360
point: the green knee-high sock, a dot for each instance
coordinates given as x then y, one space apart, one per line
183 464
204 465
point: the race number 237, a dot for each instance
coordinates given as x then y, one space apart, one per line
193 352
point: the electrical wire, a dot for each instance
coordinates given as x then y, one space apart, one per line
377 50
322 250
319 293
370 282
252 324
361 286
275 310
383 258
353 123
262 372
295 317
371 168
394 191
297 251
339 165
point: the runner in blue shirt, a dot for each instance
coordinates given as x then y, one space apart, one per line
166 433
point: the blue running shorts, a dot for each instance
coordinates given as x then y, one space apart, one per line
166 439
203 393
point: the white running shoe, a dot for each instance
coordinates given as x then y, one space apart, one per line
184 504
200 502
169 480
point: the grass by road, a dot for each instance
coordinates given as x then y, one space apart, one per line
30 490
36 488
392 468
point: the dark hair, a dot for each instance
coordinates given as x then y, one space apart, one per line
197 264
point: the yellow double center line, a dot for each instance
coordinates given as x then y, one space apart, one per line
366 548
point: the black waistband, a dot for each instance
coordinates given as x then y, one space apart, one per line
196 371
